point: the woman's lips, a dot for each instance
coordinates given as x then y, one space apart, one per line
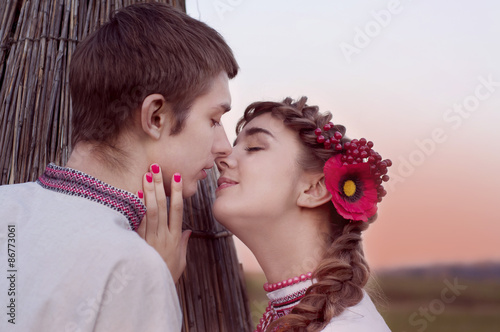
223 183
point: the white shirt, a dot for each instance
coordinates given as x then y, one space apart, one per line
78 265
362 317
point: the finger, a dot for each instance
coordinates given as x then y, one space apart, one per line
184 243
176 206
152 209
141 230
161 199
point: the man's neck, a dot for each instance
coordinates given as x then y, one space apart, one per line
117 171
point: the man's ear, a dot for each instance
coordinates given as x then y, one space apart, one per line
314 192
154 115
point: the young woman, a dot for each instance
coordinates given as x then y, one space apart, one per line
299 194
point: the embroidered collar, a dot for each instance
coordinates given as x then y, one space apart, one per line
75 183
281 302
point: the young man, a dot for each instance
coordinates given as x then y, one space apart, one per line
148 91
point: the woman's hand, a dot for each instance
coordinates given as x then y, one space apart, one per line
160 228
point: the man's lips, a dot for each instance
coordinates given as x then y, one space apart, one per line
204 170
223 182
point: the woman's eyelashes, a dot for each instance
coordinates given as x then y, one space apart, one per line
253 148
215 123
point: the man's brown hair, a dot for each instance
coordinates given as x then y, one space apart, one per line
144 49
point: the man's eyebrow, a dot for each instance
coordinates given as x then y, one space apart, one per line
254 131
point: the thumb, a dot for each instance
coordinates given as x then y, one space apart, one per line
183 248
184 242
142 228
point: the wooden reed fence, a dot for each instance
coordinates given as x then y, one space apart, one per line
37 41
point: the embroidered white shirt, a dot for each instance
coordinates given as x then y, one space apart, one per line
78 265
359 318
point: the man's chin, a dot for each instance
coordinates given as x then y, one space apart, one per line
190 190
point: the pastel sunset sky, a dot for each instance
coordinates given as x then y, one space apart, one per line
419 78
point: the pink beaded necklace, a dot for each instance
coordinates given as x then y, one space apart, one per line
292 281
270 314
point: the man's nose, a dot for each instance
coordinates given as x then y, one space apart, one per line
221 146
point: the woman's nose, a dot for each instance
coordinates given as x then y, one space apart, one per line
225 162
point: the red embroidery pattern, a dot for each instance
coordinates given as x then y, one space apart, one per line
278 308
75 183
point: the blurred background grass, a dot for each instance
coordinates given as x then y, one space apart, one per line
411 300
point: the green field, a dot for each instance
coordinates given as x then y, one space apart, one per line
419 303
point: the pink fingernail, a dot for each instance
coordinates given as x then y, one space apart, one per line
140 193
149 177
177 177
155 168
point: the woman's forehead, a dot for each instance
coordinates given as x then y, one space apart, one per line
267 121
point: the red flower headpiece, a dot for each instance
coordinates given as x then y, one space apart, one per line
354 175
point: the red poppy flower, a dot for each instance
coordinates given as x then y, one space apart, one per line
353 188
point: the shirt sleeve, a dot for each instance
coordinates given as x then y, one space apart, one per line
140 295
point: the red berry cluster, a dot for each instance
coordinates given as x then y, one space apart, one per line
357 152
360 151
328 142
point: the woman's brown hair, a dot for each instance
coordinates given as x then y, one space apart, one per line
343 271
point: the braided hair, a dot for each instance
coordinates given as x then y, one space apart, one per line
343 271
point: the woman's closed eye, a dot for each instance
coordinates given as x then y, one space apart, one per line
215 123
253 148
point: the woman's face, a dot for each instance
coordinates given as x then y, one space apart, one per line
259 178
